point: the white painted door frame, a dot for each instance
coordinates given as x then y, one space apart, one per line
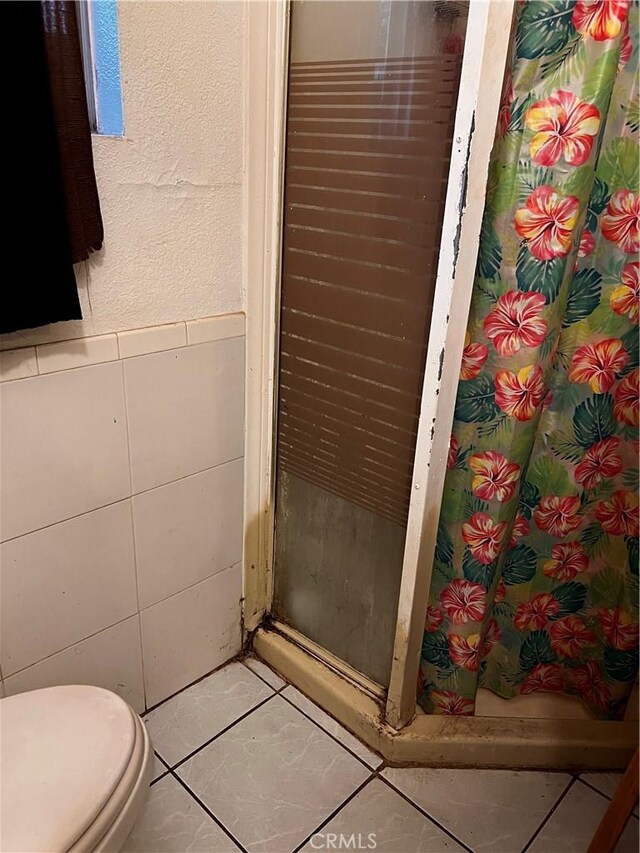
265 104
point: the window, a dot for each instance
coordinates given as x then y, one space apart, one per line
98 21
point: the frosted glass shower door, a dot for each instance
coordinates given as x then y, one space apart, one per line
372 96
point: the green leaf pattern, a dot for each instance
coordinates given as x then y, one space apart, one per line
535 584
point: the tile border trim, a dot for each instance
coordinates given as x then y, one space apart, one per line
44 359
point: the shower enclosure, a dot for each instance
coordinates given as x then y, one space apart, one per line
368 142
381 117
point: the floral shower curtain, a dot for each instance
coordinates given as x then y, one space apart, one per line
535 582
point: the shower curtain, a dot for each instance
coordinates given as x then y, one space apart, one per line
535 580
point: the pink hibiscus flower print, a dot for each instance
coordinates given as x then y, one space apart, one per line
569 636
516 321
558 515
600 19
589 682
465 651
619 628
563 126
598 364
433 620
546 223
473 358
544 678
452 455
567 560
626 408
484 536
520 528
534 615
587 244
490 637
619 514
463 601
520 394
495 477
600 461
620 224
452 704
625 299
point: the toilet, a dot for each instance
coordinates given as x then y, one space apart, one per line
75 769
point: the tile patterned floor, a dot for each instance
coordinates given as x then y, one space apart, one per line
244 761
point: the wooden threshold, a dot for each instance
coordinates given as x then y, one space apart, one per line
439 741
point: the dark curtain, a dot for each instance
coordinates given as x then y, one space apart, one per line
52 213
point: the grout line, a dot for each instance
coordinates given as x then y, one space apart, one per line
208 811
186 589
593 788
221 732
333 737
424 813
123 499
549 814
345 802
164 764
244 662
235 659
71 645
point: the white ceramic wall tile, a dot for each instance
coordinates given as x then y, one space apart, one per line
64 447
378 818
191 633
172 821
571 827
265 672
273 777
186 411
152 339
332 726
18 364
188 530
78 353
64 583
215 328
110 659
200 712
494 810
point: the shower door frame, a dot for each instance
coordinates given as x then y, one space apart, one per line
484 60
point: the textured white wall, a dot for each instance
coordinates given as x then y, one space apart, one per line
171 189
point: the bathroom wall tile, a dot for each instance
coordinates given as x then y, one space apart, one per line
172 820
186 411
79 353
111 659
191 633
18 364
215 328
188 720
332 726
381 819
64 446
493 810
273 777
65 582
571 827
152 339
265 672
188 530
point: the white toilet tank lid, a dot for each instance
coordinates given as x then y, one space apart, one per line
63 750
